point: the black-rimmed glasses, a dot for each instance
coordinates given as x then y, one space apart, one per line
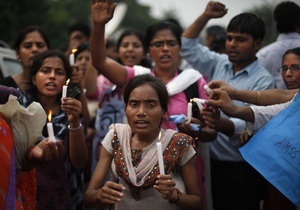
293 68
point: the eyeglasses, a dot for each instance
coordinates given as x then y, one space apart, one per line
293 68
160 44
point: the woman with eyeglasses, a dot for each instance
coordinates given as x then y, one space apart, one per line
290 69
163 42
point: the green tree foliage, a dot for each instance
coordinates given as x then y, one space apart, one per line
61 15
137 16
56 16
18 14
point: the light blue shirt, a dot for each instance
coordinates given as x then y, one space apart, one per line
270 57
215 66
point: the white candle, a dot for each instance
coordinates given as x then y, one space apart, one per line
72 59
207 89
50 132
189 112
64 91
199 102
50 127
160 158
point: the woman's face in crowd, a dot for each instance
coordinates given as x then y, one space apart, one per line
83 59
131 51
291 79
164 50
51 77
32 45
144 111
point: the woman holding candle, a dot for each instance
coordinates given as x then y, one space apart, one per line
139 183
163 42
131 51
17 138
49 72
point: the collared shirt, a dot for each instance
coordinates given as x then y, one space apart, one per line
263 114
270 57
215 66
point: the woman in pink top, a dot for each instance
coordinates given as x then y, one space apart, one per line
163 42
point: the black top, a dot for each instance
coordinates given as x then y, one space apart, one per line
9 82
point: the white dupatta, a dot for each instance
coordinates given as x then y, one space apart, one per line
179 83
138 174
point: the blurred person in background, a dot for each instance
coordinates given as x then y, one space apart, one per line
29 42
287 17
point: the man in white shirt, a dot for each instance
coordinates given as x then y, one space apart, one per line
287 17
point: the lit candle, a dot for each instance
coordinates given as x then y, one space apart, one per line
207 89
189 111
199 102
160 158
72 57
50 127
65 89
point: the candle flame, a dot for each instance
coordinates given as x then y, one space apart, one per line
50 115
67 82
74 51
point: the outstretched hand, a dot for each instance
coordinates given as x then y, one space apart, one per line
102 11
221 85
47 150
221 100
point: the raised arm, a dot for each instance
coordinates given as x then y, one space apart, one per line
102 12
213 10
90 80
262 97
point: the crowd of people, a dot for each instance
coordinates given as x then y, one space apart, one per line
106 104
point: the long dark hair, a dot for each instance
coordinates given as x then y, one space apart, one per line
23 33
145 61
36 64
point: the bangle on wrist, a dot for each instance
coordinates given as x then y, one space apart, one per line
179 195
74 129
257 97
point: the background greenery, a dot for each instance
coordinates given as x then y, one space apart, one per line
55 16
